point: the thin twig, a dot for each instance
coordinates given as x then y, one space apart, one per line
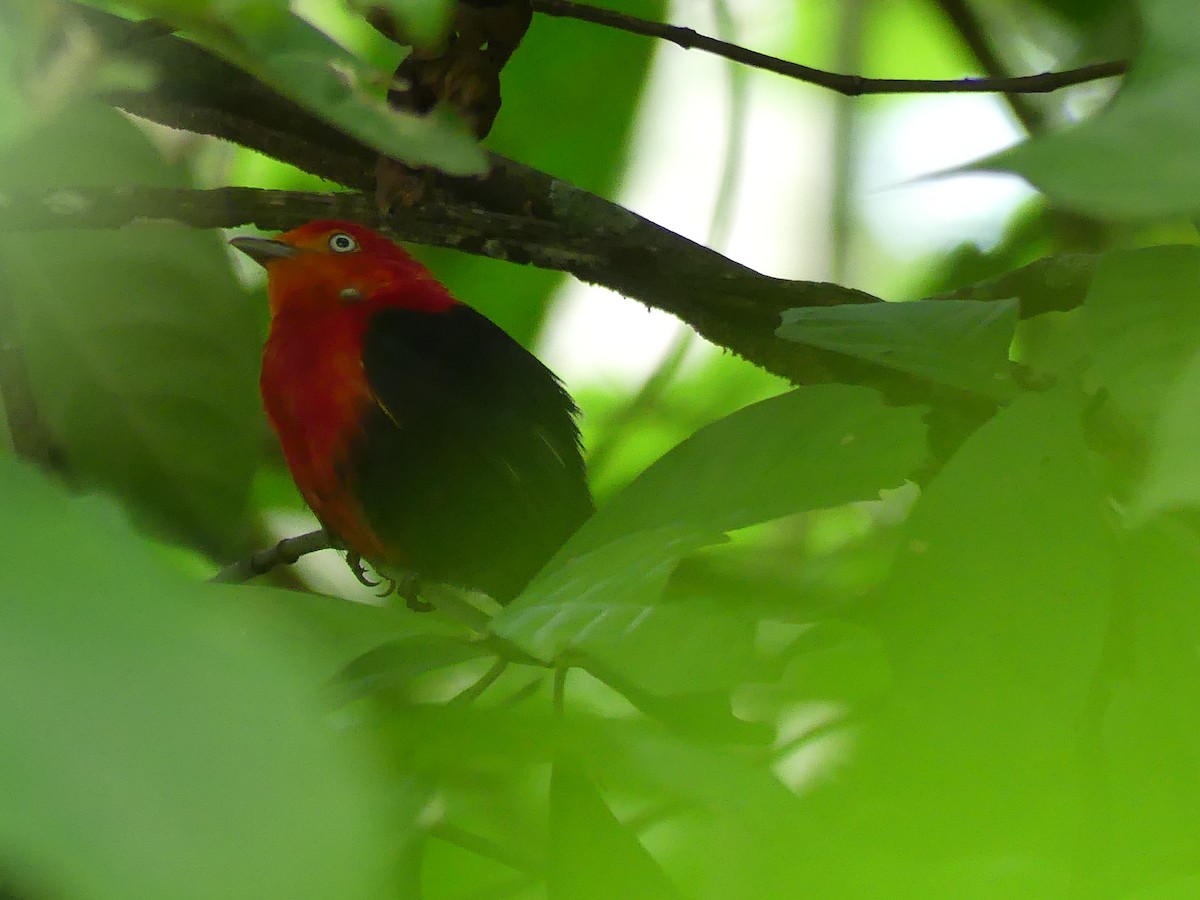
284 553
850 85
481 684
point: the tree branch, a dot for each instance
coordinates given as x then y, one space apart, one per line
514 213
284 553
850 85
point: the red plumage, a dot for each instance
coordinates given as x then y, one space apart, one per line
420 433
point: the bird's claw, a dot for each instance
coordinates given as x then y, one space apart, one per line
355 562
410 589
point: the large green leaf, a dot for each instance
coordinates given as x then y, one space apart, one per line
960 343
1136 159
1147 782
994 619
598 600
1143 324
810 448
140 346
592 855
1171 477
153 745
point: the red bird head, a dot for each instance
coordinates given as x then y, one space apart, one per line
328 264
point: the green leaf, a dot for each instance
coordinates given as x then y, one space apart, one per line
342 630
810 448
140 346
153 746
1143 323
1146 775
391 666
424 22
960 343
306 65
649 759
994 619
1171 477
285 51
813 447
592 855
1136 159
597 600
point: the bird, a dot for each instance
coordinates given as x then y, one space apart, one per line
424 437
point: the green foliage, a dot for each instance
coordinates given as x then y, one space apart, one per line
304 63
155 745
960 343
558 121
1135 160
139 345
810 645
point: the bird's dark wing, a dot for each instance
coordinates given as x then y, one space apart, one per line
470 466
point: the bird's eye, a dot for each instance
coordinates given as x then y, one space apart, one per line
342 243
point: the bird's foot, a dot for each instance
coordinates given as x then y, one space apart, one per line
355 562
409 588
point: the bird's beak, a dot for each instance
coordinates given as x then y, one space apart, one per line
264 250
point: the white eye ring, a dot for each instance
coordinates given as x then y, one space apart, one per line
342 243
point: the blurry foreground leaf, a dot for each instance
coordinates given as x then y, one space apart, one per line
153 747
1150 785
994 619
303 63
1136 159
1142 318
592 855
141 347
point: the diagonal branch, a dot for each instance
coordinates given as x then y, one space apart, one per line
515 213
849 85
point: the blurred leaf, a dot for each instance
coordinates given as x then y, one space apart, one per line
303 63
151 747
1136 159
994 618
1026 237
960 343
592 855
390 666
141 348
423 22
641 756
1083 11
341 630
1150 787
832 661
1143 324
1172 473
